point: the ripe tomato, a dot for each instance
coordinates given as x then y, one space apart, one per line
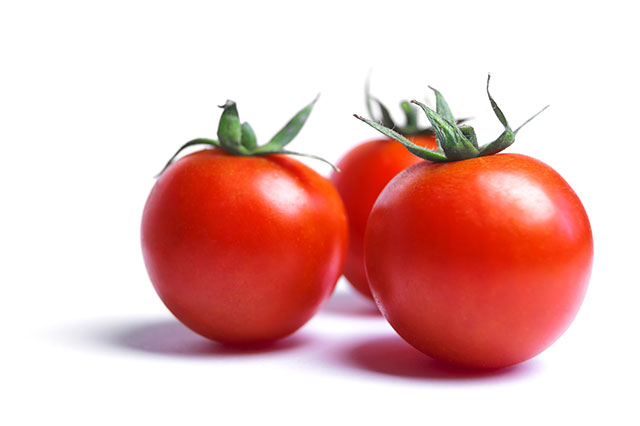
365 171
479 263
243 249
477 259
242 244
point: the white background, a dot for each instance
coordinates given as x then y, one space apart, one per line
95 96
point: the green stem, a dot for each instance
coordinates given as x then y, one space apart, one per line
239 139
455 142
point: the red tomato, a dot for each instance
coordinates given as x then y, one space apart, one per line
243 249
480 263
365 171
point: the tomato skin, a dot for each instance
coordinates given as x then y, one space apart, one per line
481 263
243 249
364 172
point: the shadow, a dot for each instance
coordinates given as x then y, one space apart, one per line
390 355
348 303
171 338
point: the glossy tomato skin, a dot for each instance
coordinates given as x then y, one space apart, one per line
364 172
481 263
243 249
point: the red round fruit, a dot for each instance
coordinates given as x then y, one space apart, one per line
480 263
364 172
243 249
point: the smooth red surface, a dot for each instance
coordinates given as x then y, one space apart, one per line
364 172
480 263
243 249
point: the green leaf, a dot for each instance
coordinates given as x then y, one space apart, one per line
248 137
505 140
200 141
508 137
442 107
495 107
421 152
229 128
385 119
411 115
452 141
469 133
367 99
289 131
534 116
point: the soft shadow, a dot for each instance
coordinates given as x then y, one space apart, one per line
347 303
171 338
390 355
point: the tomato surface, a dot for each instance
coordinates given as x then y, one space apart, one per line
243 249
364 172
480 263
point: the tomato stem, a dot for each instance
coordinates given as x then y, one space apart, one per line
455 142
239 139
410 128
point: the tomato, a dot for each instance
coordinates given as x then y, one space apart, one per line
364 172
477 259
242 244
243 249
480 263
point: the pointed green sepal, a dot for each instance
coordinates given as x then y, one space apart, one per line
229 128
504 141
289 131
367 97
426 153
194 142
508 136
239 139
442 107
248 139
385 118
532 117
495 107
411 116
469 133
453 142
410 128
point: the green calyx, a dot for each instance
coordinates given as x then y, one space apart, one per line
239 139
455 142
410 128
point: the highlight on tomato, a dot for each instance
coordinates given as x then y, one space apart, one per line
366 169
478 259
242 243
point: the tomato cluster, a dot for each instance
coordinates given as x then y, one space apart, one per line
476 258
